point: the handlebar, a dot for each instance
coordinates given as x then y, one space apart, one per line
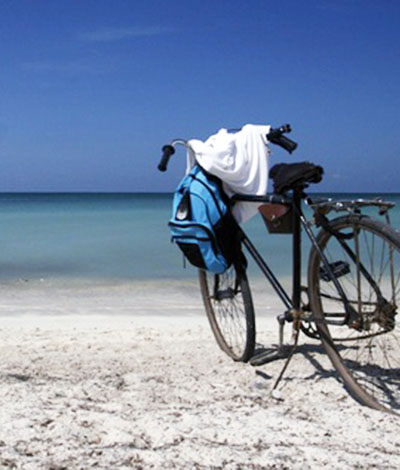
276 137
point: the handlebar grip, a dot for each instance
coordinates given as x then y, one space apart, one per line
276 137
167 151
287 144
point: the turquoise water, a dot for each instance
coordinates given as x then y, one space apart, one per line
110 237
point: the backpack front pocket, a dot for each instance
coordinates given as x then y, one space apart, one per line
199 246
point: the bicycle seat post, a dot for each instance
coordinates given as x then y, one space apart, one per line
296 247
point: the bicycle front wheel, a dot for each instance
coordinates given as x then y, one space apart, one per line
365 350
229 306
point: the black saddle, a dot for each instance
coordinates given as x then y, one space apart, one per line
287 176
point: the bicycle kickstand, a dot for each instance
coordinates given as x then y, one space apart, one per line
272 354
282 351
296 332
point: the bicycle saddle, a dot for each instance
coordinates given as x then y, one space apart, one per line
287 176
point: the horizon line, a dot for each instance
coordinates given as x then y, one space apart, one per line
172 192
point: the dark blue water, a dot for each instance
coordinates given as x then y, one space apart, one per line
110 237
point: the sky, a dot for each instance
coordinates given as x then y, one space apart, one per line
90 90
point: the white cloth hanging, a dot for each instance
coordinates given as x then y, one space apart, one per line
239 160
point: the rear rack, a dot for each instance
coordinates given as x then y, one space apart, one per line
349 205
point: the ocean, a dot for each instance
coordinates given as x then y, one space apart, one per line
113 237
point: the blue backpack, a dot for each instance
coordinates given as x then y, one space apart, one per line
202 224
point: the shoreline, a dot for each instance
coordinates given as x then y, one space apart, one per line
168 297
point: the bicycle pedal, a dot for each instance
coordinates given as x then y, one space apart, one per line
269 355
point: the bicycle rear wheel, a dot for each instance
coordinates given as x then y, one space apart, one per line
229 306
366 263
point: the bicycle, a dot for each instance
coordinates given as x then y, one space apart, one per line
352 292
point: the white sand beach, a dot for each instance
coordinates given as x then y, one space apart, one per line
117 377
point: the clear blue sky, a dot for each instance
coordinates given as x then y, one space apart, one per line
91 89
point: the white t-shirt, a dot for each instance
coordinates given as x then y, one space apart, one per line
239 159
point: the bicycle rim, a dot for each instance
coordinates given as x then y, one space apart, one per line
367 354
229 307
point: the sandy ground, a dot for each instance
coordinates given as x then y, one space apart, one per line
86 381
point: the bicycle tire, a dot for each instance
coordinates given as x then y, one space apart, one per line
230 312
366 358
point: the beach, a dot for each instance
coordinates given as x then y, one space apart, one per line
121 376
108 360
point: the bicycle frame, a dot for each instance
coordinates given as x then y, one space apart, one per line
293 302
